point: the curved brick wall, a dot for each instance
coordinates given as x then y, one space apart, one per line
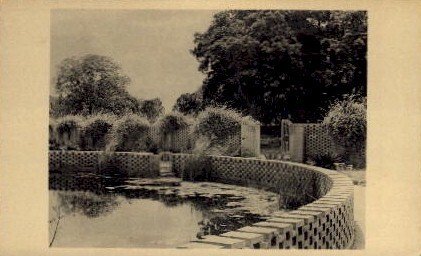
134 164
324 223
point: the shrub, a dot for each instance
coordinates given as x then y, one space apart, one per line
68 128
96 130
218 123
130 133
68 124
173 122
197 168
52 125
218 126
347 125
326 160
52 135
169 125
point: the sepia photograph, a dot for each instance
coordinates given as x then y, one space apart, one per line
161 127
207 129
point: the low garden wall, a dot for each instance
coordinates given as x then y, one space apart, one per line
322 199
131 163
324 221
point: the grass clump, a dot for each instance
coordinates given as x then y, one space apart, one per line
96 131
68 131
197 168
346 123
219 129
130 134
173 122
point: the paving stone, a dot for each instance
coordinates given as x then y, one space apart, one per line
225 241
195 245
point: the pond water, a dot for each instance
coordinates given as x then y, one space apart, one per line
88 210
90 220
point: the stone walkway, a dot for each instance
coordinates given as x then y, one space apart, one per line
165 169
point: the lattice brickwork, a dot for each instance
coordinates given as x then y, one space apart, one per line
183 140
73 158
230 141
137 164
178 162
134 164
316 140
179 141
234 141
277 176
326 223
154 134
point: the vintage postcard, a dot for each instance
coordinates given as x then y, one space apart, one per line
212 127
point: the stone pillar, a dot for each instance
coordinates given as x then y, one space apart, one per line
250 140
296 143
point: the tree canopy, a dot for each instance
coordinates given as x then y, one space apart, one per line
189 103
95 84
152 109
278 64
92 84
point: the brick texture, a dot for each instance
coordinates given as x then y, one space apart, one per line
134 164
324 221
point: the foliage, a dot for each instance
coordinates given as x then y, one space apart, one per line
347 125
67 129
86 203
173 122
52 135
56 107
189 103
130 133
247 153
346 122
326 160
91 84
52 125
217 124
152 109
68 124
203 145
216 127
95 131
268 63
197 168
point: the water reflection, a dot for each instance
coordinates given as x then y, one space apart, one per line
134 223
88 210
83 202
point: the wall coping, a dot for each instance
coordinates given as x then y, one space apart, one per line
101 152
339 195
336 204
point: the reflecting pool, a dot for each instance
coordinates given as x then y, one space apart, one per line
89 210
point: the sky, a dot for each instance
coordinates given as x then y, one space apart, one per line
152 46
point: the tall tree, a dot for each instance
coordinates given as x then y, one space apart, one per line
189 103
278 64
92 84
152 109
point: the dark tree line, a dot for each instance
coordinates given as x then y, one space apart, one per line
280 64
